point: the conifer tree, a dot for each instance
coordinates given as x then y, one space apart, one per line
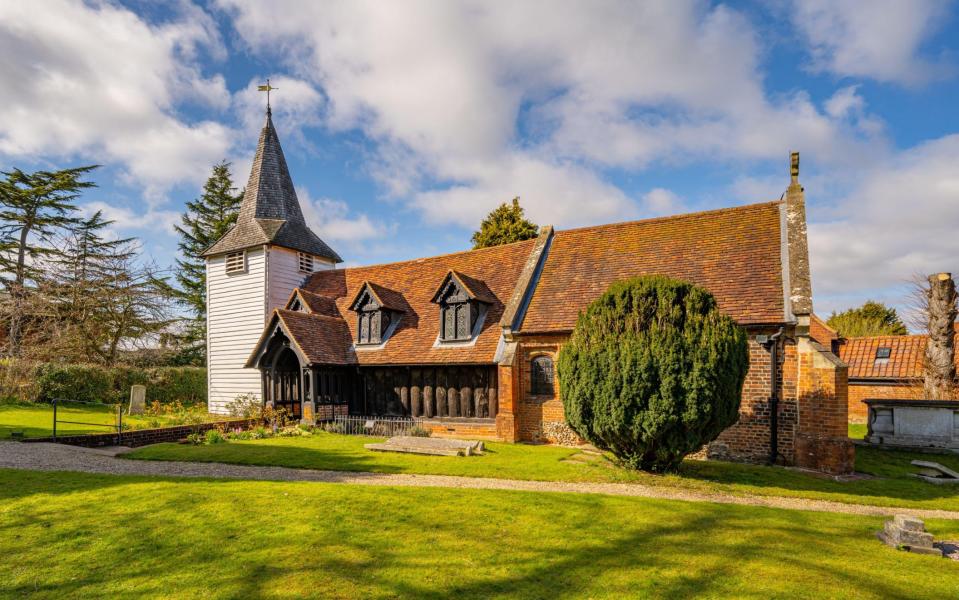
33 208
653 371
505 225
206 220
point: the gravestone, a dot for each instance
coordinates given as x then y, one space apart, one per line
138 400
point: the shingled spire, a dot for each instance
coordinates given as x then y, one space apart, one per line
270 212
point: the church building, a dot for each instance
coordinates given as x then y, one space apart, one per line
468 342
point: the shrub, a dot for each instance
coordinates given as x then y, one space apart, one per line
419 431
111 385
246 406
214 436
334 427
653 371
74 382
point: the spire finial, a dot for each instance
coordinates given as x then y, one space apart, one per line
794 167
267 88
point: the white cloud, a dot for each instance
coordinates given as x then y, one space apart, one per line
126 219
95 81
295 105
660 201
440 88
899 221
332 221
880 39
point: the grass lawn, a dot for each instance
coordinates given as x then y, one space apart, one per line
857 431
36 420
893 486
80 535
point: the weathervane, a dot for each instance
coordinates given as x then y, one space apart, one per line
266 88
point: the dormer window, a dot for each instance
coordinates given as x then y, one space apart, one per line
376 311
236 262
462 302
305 261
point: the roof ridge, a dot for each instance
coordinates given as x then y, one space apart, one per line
424 258
677 217
887 336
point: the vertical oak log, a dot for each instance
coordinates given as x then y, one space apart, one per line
428 387
940 364
479 393
466 395
405 398
493 403
442 410
416 392
452 393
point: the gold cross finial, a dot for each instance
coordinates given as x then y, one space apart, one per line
266 88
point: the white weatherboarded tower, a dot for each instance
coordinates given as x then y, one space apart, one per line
253 269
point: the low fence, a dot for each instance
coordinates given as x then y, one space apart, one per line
375 426
117 410
143 437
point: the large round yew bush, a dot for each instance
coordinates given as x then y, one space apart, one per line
653 371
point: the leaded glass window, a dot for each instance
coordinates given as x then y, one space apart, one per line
541 376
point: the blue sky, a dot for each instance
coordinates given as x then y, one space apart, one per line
405 122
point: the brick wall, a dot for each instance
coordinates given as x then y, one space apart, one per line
144 437
822 441
476 429
812 411
858 411
749 438
540 418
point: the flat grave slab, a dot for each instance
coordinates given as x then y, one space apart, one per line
430 446
934 472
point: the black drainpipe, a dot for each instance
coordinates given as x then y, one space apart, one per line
773 345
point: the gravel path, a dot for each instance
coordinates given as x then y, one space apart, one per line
56 457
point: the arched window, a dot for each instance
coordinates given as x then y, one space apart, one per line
541 376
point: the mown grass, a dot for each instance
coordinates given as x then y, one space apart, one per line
36 419
80 535
857 431
890 482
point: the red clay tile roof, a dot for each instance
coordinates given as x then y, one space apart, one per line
414 340
386 298
822 333
735 253
316 304
323 339
907 353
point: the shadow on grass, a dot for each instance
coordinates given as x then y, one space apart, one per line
893 482
230 539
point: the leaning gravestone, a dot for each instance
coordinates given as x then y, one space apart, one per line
138 400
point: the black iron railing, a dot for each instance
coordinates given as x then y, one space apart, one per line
117 425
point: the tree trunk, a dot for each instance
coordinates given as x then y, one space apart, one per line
940 364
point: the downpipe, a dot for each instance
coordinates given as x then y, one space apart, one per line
772 344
